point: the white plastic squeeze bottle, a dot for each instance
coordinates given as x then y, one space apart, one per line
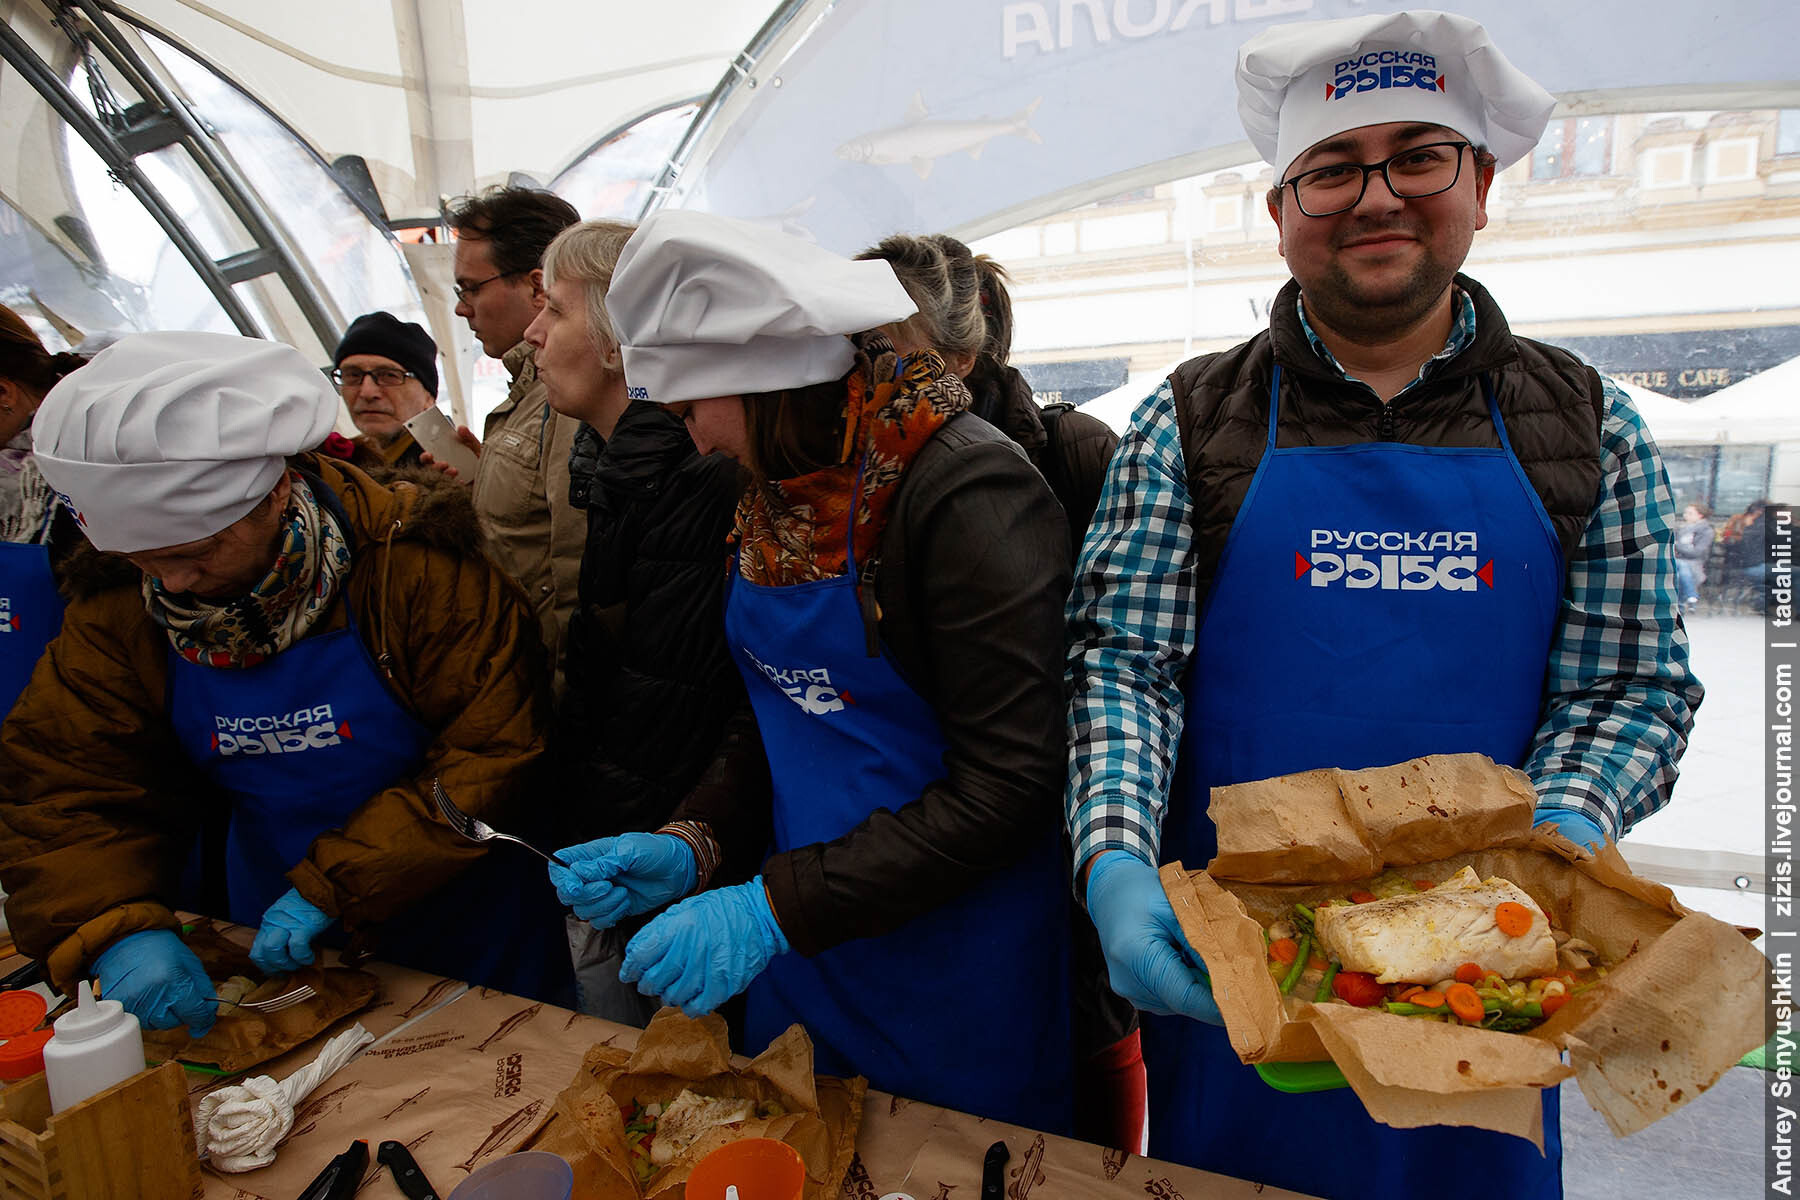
95 1046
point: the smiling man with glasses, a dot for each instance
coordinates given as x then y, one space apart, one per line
1385 527
386 371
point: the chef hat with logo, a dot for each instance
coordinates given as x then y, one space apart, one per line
709 306
167 438
1301 83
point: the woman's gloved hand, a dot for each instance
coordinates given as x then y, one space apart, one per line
1148 961
1576 826
284 941
158 980
617 877
706 949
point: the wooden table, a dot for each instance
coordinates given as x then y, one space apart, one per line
464 1075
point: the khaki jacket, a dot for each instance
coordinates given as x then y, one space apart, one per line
99 807
522 497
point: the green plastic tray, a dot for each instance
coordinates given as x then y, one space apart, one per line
1302 1076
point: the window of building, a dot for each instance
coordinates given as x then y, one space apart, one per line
1787 132
1575 146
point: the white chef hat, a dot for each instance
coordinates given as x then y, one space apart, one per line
708 306
167 438
1299 84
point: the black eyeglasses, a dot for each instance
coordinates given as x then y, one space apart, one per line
464 291
1412 174
350 378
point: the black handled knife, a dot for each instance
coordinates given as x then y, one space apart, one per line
407 1176
993 1172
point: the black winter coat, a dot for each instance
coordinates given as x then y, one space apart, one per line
650 684
1072 461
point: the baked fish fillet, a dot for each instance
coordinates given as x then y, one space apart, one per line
1424 938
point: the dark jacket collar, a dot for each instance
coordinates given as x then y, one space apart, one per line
1492 348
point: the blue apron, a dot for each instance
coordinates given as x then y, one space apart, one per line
31 613
1373 603
966 1006
299 742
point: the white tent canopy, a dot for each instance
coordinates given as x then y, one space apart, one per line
442 96
1762 408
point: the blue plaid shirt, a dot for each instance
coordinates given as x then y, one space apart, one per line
1618 698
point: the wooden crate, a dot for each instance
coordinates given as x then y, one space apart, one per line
134 1141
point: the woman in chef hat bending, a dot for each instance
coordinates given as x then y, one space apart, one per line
895 608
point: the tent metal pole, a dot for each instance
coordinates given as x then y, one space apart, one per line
19 54
320 312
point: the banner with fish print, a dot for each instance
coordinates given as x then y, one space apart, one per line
974 115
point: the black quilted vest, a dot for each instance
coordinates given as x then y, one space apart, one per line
1550 401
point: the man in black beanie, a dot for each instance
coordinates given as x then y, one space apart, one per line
386 371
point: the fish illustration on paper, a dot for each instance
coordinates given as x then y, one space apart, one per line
1112 1162
1029 1173
511 1023
406 1103
944 1190
502 1132
920 141
320 1107
436 992
570 1023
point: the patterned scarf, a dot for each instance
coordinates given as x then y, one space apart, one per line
293 596
796 530
25 496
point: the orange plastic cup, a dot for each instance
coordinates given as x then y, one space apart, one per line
759 1168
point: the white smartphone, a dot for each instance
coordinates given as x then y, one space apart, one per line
437 437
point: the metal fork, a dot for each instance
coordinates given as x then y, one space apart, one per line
477 830
287 999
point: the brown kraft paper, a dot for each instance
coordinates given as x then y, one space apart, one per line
1680 1004
587 1125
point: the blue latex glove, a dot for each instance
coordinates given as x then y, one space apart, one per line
1577 827
284 942
158 980
618 877
1148 961
706 949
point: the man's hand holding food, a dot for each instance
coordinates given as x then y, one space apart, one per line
158 980
1148 961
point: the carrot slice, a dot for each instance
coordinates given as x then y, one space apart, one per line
1316 963
1284 950
1470 973
1362 897
1514 919
1552 1003
1464 1003
1424 885
1428 1000
1406 994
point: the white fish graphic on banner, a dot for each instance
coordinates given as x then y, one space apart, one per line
918 141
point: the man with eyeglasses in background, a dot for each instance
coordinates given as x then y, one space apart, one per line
521 493
386 371
1386 527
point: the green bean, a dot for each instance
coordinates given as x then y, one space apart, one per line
1324 992
1293 975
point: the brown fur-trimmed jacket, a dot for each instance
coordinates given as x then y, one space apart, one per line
99 807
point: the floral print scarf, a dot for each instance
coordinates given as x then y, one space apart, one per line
294 595
796 530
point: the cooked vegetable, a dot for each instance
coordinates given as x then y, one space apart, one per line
1301 954
1465 1003
1470 973
1284 950
1513 919
1358 988
1324 992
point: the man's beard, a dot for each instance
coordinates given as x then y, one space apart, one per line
1347 306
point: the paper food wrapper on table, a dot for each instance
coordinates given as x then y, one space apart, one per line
675 1054
1680 1004
244 1038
